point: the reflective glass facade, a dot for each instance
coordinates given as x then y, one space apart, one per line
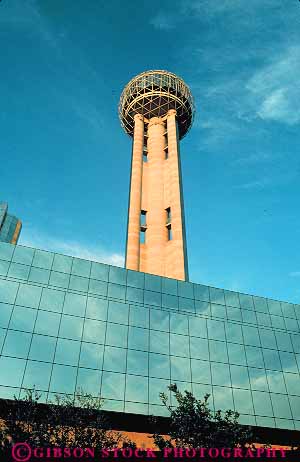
10 226
67 323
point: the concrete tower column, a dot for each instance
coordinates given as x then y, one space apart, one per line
178 269
133 227
156 229
156 242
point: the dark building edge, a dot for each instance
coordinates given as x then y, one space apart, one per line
186 264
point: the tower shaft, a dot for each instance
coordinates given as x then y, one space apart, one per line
156 231
135 198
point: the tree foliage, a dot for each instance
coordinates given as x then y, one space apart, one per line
67 422
193 424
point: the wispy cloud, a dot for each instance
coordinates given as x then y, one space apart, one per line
215 131
180 11
89 113
276 89
270 94
26 15
167 19
234 286
294 274
271 179
254 159
251 83
233 105
164 21
74 248
260 183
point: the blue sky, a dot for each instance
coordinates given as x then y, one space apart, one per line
65 160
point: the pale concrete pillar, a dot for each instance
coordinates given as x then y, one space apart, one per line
133 229
177 249
156 229
17 232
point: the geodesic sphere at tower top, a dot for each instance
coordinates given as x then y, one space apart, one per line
153 94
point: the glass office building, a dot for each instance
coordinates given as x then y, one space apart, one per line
68 324
10 226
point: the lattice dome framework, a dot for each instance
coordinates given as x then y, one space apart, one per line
153 94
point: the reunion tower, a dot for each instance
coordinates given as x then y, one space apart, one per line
156 109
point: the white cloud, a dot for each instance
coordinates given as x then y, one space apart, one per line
275 88
89 113
271 92
295 274
256 184
215 131
164 21
43 241
272 178
235 286
241 10
253 159
209 8
26 15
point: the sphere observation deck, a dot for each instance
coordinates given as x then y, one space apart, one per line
153 94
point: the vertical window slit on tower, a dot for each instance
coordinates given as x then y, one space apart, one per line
143 236
168 215
143 226
168 223
145 154
166 149
143 218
